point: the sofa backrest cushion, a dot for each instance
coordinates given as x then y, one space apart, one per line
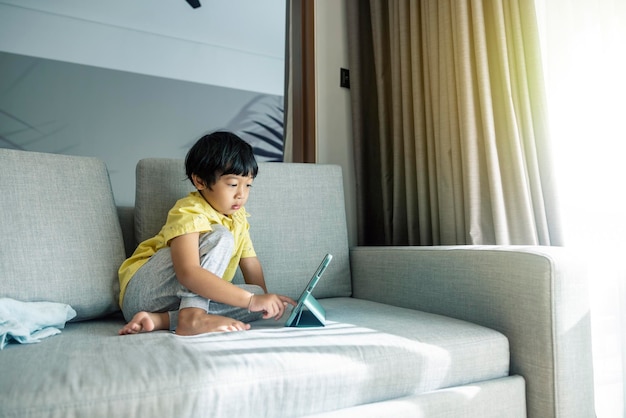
61 238
297 216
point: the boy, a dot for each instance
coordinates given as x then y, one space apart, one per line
180 279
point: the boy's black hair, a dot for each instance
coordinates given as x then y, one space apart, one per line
220 153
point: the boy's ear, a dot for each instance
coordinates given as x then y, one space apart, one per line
198 182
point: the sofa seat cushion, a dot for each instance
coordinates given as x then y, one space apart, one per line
368 352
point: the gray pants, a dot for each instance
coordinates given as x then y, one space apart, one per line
155 288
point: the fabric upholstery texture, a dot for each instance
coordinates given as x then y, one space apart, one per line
392 349
260 372
288 222
474 400
62 240
536 296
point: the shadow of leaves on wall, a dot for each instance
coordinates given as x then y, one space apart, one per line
261 123
25 135
16 132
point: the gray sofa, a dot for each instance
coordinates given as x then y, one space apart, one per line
479 331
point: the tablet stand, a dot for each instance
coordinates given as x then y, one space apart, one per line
314 316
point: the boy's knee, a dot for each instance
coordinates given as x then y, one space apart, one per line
216 249
220 236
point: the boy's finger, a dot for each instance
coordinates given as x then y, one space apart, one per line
288 300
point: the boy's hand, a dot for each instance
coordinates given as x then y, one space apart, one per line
271 304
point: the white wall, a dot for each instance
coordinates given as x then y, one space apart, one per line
117 116
229 43
134 36
334 129
123 80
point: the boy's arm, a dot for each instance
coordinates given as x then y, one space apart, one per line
186 261
189 272
252 272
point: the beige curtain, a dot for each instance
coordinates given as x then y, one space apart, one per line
449 123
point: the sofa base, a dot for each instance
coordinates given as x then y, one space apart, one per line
498 398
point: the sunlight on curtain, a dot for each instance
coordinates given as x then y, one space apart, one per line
448 124
584 45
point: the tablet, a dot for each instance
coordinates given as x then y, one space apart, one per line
308 312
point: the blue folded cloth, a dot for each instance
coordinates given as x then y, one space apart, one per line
29 322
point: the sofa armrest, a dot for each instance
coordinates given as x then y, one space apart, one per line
536 296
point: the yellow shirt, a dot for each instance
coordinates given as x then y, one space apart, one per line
191 214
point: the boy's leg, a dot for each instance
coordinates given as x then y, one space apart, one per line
240 314
220 317
216 250
155 288
146 322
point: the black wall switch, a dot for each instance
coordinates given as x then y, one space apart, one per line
344 78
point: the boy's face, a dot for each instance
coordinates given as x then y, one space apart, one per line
228 194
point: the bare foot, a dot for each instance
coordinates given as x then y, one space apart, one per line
146 322
193 321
